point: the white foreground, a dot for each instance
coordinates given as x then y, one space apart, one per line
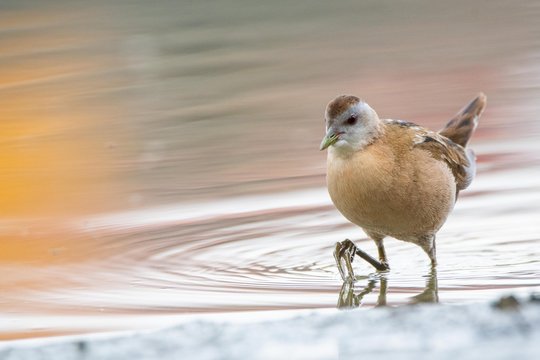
471 331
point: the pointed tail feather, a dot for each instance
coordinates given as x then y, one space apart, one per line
461 127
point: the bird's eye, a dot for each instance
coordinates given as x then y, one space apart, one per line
352 120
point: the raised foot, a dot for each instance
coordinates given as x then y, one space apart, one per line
344 254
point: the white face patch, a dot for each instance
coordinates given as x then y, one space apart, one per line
360 109
356 136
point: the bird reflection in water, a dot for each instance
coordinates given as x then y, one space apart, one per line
348 298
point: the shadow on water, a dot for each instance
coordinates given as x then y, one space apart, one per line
349 297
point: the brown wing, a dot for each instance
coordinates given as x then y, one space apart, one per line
459 160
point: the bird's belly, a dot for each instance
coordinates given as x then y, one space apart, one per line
401 206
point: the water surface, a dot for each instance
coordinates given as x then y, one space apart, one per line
160 162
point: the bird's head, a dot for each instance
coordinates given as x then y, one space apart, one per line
351 124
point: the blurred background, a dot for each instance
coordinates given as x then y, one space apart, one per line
161 158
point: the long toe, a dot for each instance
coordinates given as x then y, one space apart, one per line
339 263
348 249
344 254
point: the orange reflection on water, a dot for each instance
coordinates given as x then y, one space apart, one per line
38 245
48 175
51 164
54 165
45 172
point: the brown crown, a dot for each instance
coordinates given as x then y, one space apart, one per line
340 104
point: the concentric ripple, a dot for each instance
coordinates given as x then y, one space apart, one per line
274 252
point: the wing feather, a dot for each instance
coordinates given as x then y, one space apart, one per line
461 161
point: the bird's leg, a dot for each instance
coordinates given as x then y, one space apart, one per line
382 253
433 253
377 265
427 243
378 238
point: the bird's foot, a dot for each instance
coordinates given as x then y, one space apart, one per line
344 255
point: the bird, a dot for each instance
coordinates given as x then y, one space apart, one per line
394 178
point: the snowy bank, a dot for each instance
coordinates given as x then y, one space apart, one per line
412 332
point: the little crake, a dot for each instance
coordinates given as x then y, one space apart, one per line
395 178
